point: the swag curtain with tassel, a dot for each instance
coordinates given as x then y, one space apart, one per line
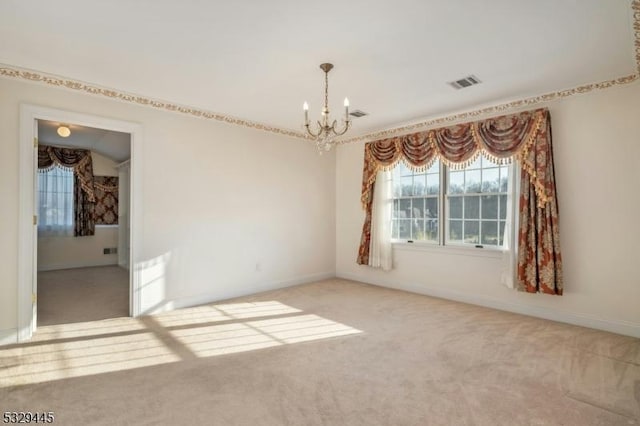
79 160
525 138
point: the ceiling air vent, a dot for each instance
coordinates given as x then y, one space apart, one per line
357 113
469 81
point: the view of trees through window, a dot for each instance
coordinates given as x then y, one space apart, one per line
475 208
415 205
477 203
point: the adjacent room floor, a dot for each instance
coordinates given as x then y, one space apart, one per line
335 352
82 294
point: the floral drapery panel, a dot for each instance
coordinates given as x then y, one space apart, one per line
106 191
525 137
79 160
84 224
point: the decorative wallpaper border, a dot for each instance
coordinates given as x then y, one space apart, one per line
15 72
495 109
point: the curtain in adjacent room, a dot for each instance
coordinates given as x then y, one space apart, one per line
84 220
106 207
55 202
524 137
79 160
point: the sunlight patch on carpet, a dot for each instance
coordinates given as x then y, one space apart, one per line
224 312
90 329
55 361
240 337
80 349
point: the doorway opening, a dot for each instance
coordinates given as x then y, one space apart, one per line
80 240
82 204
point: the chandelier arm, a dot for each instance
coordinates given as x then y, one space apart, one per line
311 133
322 127
347 124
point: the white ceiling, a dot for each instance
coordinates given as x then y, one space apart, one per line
258 60
114 145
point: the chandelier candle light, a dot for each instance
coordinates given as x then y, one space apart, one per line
325 133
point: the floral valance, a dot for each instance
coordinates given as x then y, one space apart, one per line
521 136
77 159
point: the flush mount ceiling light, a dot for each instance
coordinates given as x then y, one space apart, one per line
64 131
324 134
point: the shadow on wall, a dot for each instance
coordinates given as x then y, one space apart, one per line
81 349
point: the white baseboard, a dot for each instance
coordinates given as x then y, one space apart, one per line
615 326
72 265
8 337
203 299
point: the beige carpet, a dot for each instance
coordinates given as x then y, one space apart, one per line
82 294
329 353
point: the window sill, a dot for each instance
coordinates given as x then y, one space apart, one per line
492 253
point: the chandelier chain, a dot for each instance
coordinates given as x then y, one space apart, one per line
326 91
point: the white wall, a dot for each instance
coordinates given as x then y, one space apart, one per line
596 140
103 166
77 252
217 201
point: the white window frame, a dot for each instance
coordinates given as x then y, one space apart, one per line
443 242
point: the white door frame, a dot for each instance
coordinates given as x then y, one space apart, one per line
27 265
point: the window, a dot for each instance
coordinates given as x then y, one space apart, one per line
477 203
55 202
416 204
472 201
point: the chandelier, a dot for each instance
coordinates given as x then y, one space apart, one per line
324 134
